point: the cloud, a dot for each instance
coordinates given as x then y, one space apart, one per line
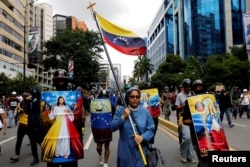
136 15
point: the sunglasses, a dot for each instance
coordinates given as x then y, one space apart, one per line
132 97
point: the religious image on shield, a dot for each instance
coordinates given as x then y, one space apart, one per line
60 112
207 124
150 99
101 118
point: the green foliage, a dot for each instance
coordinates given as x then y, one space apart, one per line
229 69
142 67
8 85
170 72
83 48
239 52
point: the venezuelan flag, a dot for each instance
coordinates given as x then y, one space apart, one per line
123 40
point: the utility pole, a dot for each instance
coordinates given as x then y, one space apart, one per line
25 40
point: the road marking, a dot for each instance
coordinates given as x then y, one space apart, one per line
244 126
86 146
11 138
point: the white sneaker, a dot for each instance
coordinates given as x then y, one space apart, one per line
100 160
105 165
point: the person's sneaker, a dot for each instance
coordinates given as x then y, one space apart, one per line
14 158
105 165
232 125
183 160
191 161
100 160
34 162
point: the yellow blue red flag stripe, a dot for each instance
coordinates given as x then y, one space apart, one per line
121 39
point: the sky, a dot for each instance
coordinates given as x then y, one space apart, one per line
134 15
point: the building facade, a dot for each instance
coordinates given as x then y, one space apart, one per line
62 22
15 18
43 21
196 28
106 78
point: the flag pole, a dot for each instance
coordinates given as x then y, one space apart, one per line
116 81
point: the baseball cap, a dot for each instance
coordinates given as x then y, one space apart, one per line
244 90
14 93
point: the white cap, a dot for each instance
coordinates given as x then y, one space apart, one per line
14 93
244 90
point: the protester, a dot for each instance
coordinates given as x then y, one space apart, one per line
2 120
187 120
224 104
101 126
166 105
60 81
22 129
12 104
34 122
128 154
235 96
85 107
186 147
244 103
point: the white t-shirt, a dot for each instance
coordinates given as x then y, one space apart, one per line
244 99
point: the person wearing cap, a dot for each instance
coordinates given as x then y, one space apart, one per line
244 103
12 104
22 129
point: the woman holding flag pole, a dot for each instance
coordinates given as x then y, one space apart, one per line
128 43
128 153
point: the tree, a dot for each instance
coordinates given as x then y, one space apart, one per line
142 67
4 80
83 48
170 72
239 52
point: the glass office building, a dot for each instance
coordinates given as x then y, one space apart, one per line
196 28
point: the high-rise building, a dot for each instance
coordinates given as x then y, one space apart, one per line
43 23
196 28
15 18
62 22
109 79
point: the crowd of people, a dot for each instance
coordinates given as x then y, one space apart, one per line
24 111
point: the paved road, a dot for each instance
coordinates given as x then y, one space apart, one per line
238 138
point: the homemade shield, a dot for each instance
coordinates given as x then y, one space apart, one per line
207 124
101 118
61 113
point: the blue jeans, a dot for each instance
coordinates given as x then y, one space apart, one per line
11 117
227 111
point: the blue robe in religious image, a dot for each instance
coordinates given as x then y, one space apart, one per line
128 154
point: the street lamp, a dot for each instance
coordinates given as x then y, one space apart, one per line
25 37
